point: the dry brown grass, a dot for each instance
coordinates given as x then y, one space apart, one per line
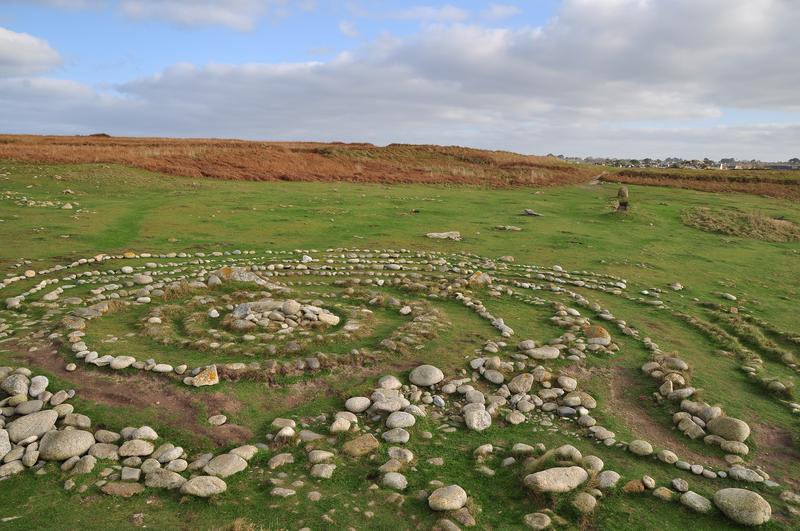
300 161
751 225
778 184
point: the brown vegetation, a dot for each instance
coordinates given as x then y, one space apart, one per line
751 225
300 161
779 184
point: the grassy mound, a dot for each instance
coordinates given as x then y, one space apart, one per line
742 224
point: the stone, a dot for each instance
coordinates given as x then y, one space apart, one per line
130 474
521 383
105 451
11 468
695 502
400 419
361 446
729 428
543 353
279 460
640 447
395 480
450 235
743 506
607 479
204 486
164 479
323 470
449 498
33 425
537 521
558 479
663 493
584 503
5 443
426 375
61 445
681 485
207 376
667 456
396 436
477 419
136 447
16 384
38 385
225 465
357 404
145 433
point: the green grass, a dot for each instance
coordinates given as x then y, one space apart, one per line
122 208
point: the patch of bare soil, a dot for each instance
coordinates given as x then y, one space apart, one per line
627 407
171 405
776 450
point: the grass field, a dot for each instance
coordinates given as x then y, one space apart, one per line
118 208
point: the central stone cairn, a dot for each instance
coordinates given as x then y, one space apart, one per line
282 317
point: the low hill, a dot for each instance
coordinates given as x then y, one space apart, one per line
300 161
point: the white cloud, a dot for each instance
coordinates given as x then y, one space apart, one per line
239 15
501 11
71 4
22 54
615 77
446 13
236 14
348 29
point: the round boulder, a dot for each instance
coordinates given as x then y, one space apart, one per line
61 445
36 424
449 498
729 428
426 375
743 506
558 479
204 486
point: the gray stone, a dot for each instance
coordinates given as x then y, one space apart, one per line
426 375
449 498
35 424
743 506
696 502
225 465
61 445
558 479
204 486
164 479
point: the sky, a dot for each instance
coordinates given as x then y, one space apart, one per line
622 78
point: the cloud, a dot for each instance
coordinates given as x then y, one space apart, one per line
446 13
348 28
239 15
501 11
22 54
616 77
71 4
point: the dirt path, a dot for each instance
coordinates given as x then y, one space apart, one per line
628 408
172 405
